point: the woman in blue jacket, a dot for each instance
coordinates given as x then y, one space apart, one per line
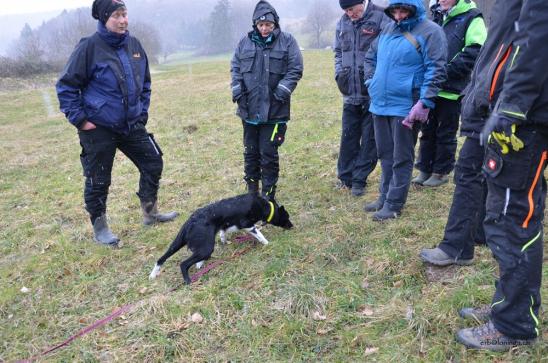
104 91
404 69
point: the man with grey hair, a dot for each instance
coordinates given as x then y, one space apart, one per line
358 27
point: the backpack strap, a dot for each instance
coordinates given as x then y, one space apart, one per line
411 38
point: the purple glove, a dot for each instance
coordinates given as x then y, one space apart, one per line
418 113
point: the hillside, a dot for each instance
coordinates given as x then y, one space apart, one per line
337 288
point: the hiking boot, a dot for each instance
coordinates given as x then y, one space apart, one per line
489 338
340 185
436 180
151 214
358 190
385 213
436 256
421 178
102 234
480 314
373 206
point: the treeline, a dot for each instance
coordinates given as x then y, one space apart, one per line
173 26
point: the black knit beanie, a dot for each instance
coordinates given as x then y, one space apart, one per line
103 9
345 4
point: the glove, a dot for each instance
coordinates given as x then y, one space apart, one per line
502 129
281 95
418 113
237 92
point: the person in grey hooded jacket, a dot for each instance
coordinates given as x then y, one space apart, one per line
265 69
360 24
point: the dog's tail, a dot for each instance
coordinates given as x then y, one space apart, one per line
175 246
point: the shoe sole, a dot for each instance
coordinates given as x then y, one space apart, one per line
493 348
444 263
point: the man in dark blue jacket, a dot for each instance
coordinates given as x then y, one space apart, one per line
358 27
104 91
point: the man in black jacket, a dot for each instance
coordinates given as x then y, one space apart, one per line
357 28
465 31
265 69
517 149
104 91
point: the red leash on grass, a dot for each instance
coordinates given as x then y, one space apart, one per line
126 308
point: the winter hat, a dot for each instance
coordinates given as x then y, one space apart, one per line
103 9
266 17
345 4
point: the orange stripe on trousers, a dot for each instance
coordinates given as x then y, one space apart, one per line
530 196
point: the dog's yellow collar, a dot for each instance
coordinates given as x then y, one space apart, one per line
271 215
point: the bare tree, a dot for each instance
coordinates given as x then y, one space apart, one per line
320 19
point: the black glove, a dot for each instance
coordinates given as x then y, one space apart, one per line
237 93
281 95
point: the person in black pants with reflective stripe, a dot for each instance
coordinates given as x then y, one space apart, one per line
104 91
516 135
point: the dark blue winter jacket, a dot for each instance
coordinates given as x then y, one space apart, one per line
106 81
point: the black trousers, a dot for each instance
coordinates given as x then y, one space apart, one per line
514 230
438 142
465 221
358 152
98 150
261 159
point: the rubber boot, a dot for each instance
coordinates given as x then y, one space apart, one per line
102 234
152 216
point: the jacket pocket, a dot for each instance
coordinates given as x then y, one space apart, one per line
278 62
343 81
92 106
246 61
514 169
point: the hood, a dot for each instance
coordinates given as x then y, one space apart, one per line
263 8
462 6
417 17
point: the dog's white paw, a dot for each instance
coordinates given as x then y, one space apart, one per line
222 236
199 265
155 272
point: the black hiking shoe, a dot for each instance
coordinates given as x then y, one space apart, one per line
373 206
385 213
358 190
487 337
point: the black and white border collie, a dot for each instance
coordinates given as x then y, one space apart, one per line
225 216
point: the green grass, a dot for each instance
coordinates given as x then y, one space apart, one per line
301 299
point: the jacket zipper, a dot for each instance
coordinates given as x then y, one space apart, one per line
498 71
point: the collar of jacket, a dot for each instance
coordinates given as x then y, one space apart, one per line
115 40
460 7
256 37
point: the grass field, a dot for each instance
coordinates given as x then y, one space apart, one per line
337 288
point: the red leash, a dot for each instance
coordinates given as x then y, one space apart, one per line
128 307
